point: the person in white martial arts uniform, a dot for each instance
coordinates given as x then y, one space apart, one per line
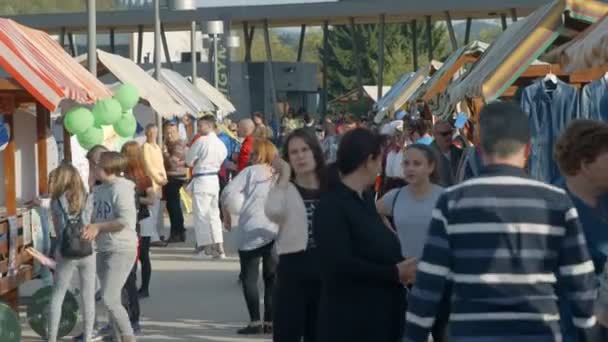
206 156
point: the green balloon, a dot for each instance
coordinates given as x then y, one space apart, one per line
77 120
107 112
127 95
126 126
37 312
93 136
10 328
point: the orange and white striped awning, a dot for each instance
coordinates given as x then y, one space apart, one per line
43 68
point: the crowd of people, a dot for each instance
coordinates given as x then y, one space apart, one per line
426 230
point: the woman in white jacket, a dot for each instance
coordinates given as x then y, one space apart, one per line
291 204
246 196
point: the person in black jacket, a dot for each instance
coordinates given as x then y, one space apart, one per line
362 270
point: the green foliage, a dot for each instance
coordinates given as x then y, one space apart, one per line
397 54
14 7
489 35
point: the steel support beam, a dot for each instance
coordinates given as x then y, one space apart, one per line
381 55
356 55
92 37
448 20
414 26
163 36
503 21
301 44
140 44
247 57
324 96
73 47
112 40
513 14
429 37
62 37
273 90
467 32
193 52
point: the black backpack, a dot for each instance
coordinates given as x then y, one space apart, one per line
73 246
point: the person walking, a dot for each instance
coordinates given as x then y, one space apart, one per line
155 169
256 234
449 154
246 131
581 153
291 204
70 201
411 207
206 156
145 197
174 155
261 128
362 268
113 230
504 242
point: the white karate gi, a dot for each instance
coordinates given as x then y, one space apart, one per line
206 156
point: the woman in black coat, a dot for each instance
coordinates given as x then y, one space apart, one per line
362 298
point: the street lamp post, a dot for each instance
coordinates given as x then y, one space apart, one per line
214 29
92 37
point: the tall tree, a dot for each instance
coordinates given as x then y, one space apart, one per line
398 54
13 7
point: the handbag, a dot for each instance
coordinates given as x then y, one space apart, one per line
72 245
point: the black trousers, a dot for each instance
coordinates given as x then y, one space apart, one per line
174 205
296 299
130 299
146 264
250 272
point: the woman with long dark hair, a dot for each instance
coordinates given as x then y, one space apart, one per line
362 268
291 204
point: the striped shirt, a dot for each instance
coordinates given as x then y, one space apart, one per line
504 242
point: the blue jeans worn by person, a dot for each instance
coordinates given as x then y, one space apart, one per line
113 269
65 269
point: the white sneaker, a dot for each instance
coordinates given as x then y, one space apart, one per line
221 256
202 256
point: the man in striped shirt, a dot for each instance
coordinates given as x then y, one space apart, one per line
504 242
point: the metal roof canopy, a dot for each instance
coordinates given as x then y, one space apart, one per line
335 13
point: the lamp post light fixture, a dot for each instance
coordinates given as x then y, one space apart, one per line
215 28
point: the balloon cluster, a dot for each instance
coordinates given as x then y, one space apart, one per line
116 112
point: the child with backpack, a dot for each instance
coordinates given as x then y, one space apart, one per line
113 230
71 210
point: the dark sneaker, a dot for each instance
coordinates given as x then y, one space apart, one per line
136 328
251 330
143 294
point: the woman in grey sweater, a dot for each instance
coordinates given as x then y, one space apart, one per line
69 199
246 196
113 229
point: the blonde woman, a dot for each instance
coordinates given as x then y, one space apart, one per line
69 200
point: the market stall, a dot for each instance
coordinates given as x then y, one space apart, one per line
43 78
224 106
432 94
547 92
509 64
152 92
403 89
185 93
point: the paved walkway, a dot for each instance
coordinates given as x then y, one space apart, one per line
190 300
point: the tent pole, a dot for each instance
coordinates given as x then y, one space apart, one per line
163 36
467 32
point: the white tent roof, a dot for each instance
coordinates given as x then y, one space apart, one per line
184 92
372 91
225 107
149 89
